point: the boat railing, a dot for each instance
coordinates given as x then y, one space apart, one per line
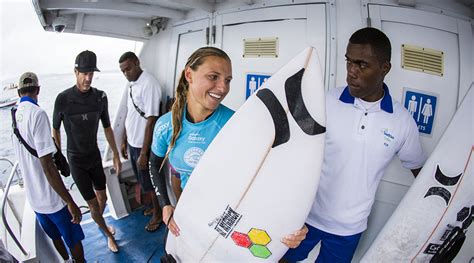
4 201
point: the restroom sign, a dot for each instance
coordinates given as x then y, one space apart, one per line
254 81
422 108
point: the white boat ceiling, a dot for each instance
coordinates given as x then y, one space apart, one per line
128 19
141 19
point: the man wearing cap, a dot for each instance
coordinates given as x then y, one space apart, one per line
143 108
80 108
55 209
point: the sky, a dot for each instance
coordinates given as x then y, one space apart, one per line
25 46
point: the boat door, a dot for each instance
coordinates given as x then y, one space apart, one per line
286 31
261 40
186 38
431 56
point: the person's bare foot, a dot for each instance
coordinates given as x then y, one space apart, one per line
148 211
111 229
112 244
153 224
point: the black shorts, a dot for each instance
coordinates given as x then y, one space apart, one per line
88 173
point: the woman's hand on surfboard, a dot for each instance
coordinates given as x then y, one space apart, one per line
294 240
169 220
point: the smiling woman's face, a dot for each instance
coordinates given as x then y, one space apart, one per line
209 83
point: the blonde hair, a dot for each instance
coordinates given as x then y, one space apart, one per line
177 110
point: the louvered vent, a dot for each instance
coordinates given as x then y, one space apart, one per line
261 47
423 59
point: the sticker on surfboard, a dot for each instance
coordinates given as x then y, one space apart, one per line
227 221
256 240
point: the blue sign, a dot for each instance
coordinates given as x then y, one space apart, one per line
254 81
422 108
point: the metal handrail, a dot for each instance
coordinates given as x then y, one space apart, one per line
4 201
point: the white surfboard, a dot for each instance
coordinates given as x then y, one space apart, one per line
440 199
118 125
257 180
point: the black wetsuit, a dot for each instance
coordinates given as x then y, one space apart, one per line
81 113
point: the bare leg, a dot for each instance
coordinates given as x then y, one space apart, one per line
96 214
157 214
59 245
102 199
78 253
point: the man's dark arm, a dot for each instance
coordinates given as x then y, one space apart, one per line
123 147
57 119
142 161
54 179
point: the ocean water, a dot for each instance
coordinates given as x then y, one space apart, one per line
113 83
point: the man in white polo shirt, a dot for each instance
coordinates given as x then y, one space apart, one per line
55 210
143 108
366 128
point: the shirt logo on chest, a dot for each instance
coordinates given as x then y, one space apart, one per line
196 138
84 117
192 156
387 137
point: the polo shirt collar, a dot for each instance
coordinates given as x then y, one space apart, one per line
385 104
29 99
139 79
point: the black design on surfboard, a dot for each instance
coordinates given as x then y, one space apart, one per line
447 251
468 221
227 222
445 180
282 128
297 107
439 191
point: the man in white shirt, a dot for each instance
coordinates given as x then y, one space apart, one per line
55 210
366 128
143 108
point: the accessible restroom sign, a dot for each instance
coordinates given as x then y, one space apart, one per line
422 108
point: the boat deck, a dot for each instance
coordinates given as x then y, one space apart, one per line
135 243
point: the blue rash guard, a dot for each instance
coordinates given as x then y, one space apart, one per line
192 141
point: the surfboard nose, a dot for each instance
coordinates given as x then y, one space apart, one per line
297 107
304 95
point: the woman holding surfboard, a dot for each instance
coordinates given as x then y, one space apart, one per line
182 135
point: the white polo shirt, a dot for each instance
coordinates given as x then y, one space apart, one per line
359 146
146 92
34 127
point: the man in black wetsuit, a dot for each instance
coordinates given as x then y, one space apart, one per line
80 108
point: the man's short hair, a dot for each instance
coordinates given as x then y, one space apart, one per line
376 39
128 55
